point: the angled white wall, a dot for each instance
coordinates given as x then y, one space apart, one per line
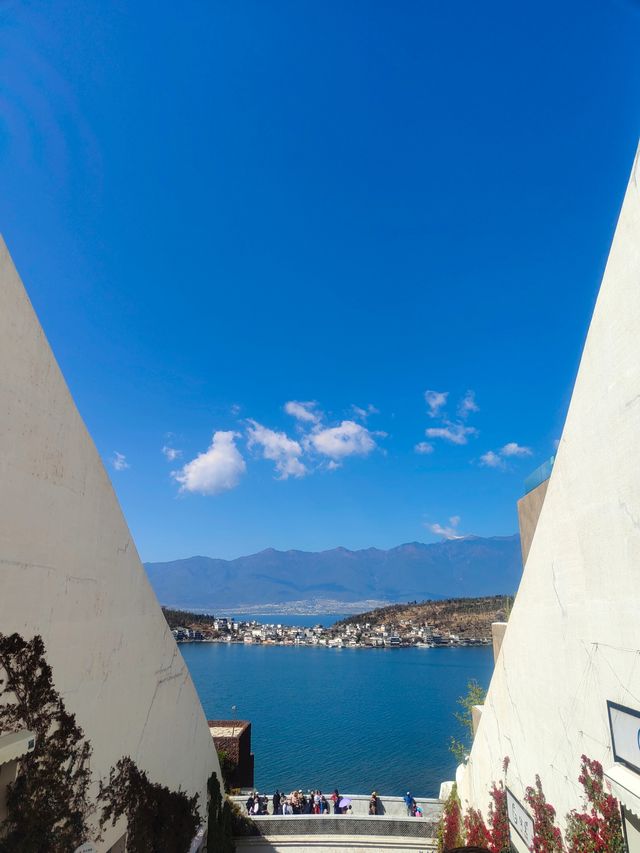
573 639
69 571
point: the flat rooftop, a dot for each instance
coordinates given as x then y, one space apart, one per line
227 728
224 731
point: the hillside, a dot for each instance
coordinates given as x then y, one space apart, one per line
340 580
466 617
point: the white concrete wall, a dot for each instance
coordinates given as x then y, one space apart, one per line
333 843
69 571
573 638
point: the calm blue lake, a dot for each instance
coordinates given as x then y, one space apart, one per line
356 719
302 620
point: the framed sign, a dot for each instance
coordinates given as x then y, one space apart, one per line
519 819
625 735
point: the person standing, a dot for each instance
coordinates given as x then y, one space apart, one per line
335 799
276 802
373 804
409 803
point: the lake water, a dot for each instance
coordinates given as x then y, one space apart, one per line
356 719
294 620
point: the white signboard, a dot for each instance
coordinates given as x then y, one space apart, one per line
87 847
625 735
519 819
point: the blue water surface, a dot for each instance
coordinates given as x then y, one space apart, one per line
303 620
356 719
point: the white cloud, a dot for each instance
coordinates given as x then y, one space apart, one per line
435 401
514 449
347 439
491 460
455 433
423 447
235 409
363 414
303 411
449 531
119 461
468 404
171 453
279 448
217 470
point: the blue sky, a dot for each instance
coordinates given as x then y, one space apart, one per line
222 208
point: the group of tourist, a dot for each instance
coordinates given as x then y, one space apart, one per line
315 802
257 804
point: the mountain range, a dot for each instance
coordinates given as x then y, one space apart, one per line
339 580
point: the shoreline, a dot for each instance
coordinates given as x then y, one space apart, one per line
335 647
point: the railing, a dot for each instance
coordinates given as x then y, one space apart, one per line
542 473
391 821
306 825
389 807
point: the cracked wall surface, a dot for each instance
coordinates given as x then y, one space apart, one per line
573 638
69 571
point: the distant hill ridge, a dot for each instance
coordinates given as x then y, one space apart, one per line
465 617
340 580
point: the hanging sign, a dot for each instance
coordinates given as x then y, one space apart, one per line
519 819
625 735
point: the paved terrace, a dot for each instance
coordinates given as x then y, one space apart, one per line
390 830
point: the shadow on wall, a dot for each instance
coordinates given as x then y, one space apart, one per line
468 850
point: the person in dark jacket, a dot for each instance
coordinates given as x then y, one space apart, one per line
276 802
335 799
373 803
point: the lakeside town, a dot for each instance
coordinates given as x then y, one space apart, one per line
454 623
